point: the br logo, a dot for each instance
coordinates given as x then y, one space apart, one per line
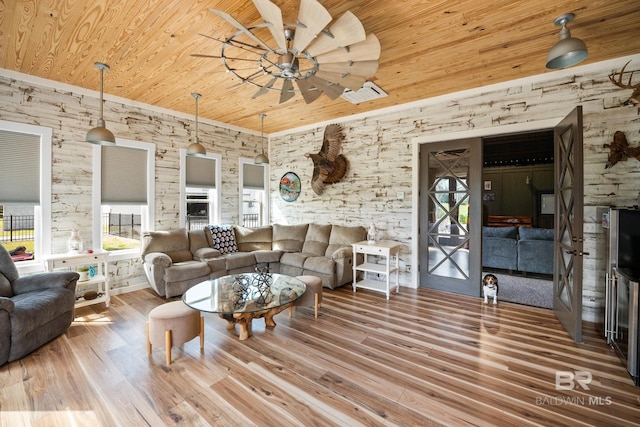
567 380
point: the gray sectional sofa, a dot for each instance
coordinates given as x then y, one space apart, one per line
176 260
523 249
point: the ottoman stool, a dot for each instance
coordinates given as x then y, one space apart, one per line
312 297
174 323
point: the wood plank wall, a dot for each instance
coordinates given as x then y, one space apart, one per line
379 149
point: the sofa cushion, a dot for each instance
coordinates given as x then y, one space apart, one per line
289 238
294 259
528 233
240 260
344 235
504 232
253 239
197 240
35 309
319 264
263 256
317 239
224 238
174 243
181 271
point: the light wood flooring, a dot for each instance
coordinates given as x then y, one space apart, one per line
422 358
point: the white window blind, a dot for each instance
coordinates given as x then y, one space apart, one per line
252 176
201 172
124 176
19 168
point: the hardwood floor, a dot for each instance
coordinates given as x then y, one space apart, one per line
422 358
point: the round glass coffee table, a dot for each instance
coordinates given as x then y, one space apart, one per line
240 298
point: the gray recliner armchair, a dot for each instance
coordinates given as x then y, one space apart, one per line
33 309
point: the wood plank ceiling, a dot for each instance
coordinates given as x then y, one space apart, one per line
429 48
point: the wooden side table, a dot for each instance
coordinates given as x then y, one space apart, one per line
381 249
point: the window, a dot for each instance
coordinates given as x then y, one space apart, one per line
254 195
25 193
200 181
124 192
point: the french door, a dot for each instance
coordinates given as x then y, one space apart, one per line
568 247
450 216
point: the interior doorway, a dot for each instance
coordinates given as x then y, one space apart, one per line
518 187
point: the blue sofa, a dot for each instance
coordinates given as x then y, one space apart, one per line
500 247
535 250
523 249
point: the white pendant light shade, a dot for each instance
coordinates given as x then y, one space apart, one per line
196 149
568 51
100 134
261 158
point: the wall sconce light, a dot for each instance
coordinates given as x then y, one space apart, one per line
100 134
196 149
568 51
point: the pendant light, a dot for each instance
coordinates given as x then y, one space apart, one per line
261 158
100 134
196 149
568 51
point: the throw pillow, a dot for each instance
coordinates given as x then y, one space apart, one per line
223 238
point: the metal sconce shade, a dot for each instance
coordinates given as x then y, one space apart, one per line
261 158
100 134
568 51
196 149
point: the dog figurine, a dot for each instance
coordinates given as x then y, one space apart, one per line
490 288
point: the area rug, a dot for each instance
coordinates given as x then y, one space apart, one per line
531 291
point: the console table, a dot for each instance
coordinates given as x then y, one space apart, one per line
381 249
71 262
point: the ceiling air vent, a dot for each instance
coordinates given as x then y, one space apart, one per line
367 92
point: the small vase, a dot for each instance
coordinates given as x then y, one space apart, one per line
371 234
74 244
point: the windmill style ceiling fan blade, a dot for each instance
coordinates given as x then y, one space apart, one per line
312 18
367 50
346 31
333 91
287 91
264 89
309 93
345 80
231 20
272 15
363 68
202 55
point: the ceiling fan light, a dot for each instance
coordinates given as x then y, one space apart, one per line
567 51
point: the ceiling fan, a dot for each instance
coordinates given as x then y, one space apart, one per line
317 58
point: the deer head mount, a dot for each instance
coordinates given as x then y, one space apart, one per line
634 99
620 151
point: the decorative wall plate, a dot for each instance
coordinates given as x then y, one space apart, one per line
289 186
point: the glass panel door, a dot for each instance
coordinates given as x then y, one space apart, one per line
449 193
